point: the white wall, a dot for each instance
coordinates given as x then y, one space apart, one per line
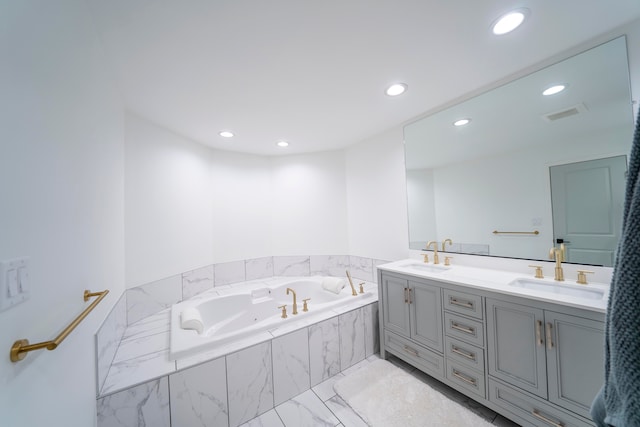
188 206
168 203
61 184
376 198
309 206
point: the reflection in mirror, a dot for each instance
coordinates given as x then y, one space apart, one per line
494 173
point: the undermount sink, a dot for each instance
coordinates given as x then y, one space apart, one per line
429 268
560 288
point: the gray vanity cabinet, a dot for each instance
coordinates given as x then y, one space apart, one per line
555 356
516 345
413 309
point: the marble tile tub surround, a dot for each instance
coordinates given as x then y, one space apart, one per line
241 385
150 298
108 338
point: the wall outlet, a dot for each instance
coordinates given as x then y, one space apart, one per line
14 282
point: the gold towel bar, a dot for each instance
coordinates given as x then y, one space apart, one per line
516 232
20 348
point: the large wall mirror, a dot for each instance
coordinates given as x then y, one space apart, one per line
528 170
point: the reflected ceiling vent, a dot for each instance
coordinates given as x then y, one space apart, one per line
564 113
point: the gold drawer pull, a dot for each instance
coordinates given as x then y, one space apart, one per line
464 378
411 351
467 304
549 340
539 416
406 298
467 330
456 350
539 333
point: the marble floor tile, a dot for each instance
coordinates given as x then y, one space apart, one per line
325 390
305 410
355 367
343 411
268 419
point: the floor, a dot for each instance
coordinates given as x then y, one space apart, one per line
320 406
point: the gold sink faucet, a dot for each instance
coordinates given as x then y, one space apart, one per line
558 255
444 242
436 260
295 304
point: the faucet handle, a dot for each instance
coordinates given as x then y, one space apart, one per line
447 260
284 311
538 268
425 258
362 287
304 304
582 276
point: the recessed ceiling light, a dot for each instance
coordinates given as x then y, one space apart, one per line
553 90
226 134
396 89
282 144
509 21
461 122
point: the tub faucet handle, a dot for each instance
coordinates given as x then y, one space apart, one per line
284 311
362 287
304 304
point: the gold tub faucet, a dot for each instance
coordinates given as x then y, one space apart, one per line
295 304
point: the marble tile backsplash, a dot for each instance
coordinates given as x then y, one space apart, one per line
153 297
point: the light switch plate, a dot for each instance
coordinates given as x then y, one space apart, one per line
14 282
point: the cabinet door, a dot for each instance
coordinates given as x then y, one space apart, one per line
516 350
395 307
575 360
426 315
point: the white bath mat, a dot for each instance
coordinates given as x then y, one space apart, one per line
386 396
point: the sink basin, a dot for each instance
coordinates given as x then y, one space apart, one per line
428 268
560 288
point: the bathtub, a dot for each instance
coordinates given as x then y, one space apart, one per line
222 319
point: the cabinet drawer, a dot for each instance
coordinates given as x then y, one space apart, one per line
467 330
469 379
460 302
531 409
464 353
418 356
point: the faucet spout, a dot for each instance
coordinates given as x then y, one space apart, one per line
353 289
295 304
436 260
558 255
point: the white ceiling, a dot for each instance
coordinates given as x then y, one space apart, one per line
314 73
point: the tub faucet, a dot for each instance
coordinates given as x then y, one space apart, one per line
353 290
557 254
436 260
295 304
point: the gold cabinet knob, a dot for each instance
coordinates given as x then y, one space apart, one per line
284 311
582 276
304 304
447 260
538 271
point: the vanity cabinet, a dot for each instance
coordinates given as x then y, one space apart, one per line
412 321
537 363
555 356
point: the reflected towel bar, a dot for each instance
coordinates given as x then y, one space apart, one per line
536 232
20 348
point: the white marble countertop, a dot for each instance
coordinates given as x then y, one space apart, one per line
499 281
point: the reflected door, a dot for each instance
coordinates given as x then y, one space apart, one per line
587 200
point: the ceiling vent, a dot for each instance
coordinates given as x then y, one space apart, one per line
564 113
